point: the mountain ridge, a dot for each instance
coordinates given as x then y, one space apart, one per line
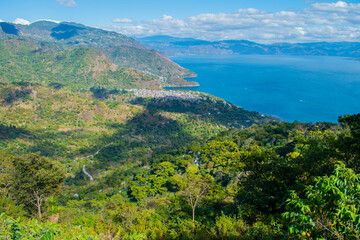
118 48
173 46
77 68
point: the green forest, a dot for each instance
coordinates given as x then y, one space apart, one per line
79 164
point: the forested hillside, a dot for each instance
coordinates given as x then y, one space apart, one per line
121 50
155 164
54 64
105 115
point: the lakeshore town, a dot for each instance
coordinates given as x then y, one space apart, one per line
169 94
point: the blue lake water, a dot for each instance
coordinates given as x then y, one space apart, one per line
302 88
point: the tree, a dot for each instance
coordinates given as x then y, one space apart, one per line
263 178
155 183
349 144
6 168
194 188
7 203
330 208
34 179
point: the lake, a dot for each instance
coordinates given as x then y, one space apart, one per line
302 88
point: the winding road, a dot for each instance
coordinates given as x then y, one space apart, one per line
98 151
92 155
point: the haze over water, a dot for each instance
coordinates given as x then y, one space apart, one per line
302 88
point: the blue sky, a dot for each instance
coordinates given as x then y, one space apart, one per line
257 20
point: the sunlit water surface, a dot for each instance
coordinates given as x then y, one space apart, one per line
302 88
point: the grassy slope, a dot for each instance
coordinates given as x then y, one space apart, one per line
122 50
29 60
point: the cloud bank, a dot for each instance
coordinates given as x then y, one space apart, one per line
67 3
122 20
338 21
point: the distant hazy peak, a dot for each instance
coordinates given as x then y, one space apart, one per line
46 20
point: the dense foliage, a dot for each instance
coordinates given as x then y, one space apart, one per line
82 158
167 169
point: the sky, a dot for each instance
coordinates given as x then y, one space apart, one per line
262 21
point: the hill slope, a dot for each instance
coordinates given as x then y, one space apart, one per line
120 49
50 63
65 125
135 162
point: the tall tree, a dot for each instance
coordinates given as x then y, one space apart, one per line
194 187
34 179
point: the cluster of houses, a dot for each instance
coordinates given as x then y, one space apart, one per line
169 94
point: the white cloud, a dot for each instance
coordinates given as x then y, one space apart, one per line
336 21
339 6
21 21
68 3
122 20
1 20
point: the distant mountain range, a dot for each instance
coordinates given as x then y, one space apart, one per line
56 42
172 46
81 57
